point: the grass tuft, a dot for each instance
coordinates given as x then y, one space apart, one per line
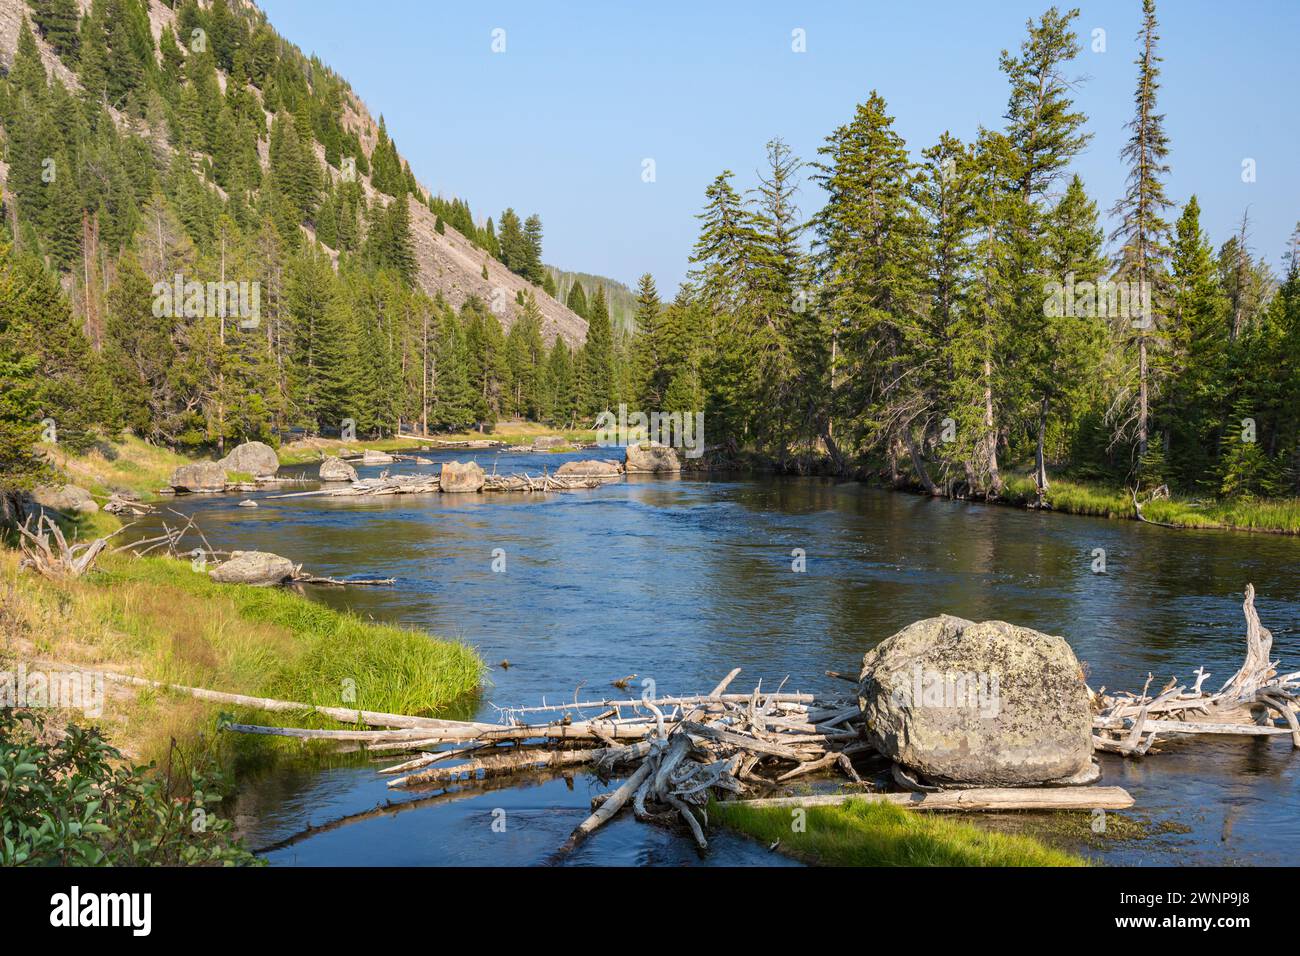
862 833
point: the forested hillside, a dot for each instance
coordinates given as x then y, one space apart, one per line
151 147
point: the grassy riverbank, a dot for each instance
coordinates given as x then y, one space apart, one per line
1280 516
859 833
158 618
127 465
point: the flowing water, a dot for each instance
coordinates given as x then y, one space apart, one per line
678 581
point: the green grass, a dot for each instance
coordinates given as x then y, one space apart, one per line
1280 516
860 833
159 618
128 465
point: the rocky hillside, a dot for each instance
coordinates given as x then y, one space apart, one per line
448 262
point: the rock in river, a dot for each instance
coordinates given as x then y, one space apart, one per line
336 469
252 458
592 468
989 703
199 477
652 458
458 477
258 568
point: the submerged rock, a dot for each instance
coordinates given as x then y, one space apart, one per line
201 476
592 468
258 568
458 477
989 703
652 458
252 458
65 498
336 469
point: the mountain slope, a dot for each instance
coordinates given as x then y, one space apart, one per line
448 262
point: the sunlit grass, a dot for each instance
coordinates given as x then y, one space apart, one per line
1087 498
129 465
158 618
861 833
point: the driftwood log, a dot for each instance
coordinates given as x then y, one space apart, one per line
986 798
1247 704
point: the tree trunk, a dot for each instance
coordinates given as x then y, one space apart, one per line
1142 397
1040 461
990 433
918 463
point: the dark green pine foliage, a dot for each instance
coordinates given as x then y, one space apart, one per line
867 243
58 22
597 359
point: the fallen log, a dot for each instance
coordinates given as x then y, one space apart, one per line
343 714
988 798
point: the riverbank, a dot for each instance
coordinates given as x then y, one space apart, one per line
159 619
858 833
1272 515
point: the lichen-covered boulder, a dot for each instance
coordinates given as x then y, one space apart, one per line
201 476
984 703
258 568
65 498
252 458
458 477
592 468
651 458
336 469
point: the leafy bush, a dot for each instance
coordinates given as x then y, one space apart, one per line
73 802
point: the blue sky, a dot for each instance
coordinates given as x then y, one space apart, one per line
560 123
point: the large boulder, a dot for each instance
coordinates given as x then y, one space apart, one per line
989 703
258 568
253 458
64 498
651 458
336 469
372 457
592 468
461 477
550 442
201 476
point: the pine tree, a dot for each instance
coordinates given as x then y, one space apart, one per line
1143 232
58 22
597 357
577 299
20 410
867 244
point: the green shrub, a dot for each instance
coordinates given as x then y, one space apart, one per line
72 802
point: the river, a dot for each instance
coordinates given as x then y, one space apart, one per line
678 581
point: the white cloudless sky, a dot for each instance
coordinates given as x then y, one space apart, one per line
562 120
